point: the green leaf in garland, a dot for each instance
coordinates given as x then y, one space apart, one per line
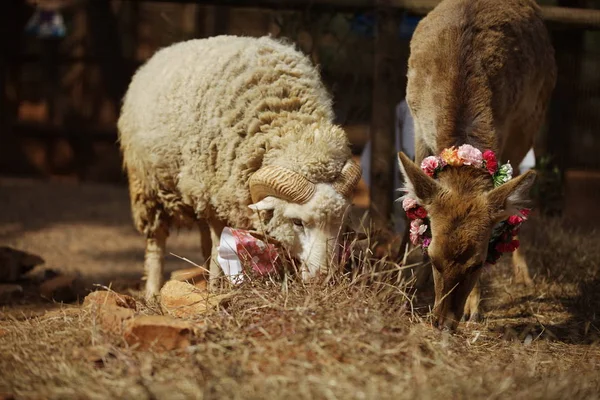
503 175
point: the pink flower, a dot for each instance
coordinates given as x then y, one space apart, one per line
470 155
491 164
414 239
525 212
430 164
408 203
417 228
418 212
426 242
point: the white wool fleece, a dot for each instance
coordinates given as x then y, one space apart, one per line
201 116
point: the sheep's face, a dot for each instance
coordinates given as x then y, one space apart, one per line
309 231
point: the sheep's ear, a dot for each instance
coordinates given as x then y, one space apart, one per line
510 197
417 183
268 203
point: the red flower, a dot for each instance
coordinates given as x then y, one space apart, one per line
514 244
525 211
507 247
515 220
490 161
418 212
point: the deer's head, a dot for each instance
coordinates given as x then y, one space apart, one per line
463 208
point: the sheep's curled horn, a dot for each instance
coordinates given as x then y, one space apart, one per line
291 186
348 179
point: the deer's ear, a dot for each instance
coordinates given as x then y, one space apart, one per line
417 183
510 197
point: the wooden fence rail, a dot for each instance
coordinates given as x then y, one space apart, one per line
583 18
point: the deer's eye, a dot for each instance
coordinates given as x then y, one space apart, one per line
298 222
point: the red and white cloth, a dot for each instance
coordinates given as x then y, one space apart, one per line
242 251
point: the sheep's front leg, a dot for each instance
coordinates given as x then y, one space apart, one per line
154 264
205 240
216 227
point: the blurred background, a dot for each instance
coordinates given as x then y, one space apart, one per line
65 65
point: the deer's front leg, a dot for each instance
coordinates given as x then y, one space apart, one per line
520 269
472 313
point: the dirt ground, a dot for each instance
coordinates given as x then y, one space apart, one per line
356 338
85 228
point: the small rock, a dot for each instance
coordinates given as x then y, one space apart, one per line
14 263
105 297
10 291
112 318
63 288
158 332
191 275
184 300
112 309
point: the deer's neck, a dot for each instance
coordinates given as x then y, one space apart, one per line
466 116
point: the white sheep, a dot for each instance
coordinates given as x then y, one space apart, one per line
235 131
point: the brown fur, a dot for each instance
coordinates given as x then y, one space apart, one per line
481 73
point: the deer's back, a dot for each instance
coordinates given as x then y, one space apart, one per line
476 68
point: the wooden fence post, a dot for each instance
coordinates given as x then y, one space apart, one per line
382 123
568 45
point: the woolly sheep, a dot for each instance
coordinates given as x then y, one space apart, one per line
235 131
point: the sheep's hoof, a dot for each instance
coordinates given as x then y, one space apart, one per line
214 285
152 298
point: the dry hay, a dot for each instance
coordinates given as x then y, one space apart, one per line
356 338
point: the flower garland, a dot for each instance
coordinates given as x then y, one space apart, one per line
503 236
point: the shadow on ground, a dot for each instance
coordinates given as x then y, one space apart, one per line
84 229
562 305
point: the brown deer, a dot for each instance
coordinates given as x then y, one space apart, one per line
480 73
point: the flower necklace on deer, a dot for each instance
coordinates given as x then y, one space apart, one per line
503 239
